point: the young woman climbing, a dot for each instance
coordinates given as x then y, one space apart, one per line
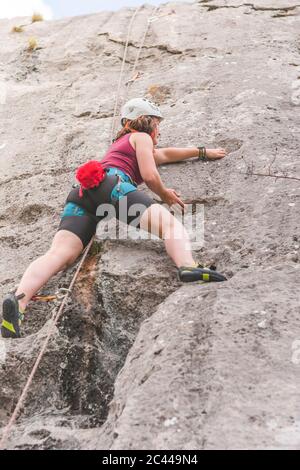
131 160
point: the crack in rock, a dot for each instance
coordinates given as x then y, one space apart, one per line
162 47
252 6
89 348
94 115
27 175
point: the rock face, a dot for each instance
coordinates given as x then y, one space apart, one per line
188 367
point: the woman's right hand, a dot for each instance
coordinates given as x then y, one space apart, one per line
171 197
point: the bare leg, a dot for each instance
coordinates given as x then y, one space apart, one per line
65 249
159 221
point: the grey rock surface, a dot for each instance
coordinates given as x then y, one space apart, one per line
213 381
187 367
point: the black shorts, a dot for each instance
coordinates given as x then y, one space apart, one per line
80 214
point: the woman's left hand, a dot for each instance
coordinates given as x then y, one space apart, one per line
215 154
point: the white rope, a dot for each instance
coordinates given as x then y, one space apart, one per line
134 77
56 315
150 20
53 322
122 71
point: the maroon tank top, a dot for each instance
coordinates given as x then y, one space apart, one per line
122 155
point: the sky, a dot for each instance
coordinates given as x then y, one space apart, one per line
54 9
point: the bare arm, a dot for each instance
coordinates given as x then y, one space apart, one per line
148 169
173 154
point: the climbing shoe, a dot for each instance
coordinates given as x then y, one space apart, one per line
11 316
200 273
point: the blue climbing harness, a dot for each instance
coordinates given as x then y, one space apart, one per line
72 209
124 186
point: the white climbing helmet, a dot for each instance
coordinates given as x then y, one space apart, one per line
137 107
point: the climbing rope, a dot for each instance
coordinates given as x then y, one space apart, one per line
64 294
136 76
53 322
122 71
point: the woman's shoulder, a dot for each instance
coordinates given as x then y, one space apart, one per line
132 140
139 136
128 137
